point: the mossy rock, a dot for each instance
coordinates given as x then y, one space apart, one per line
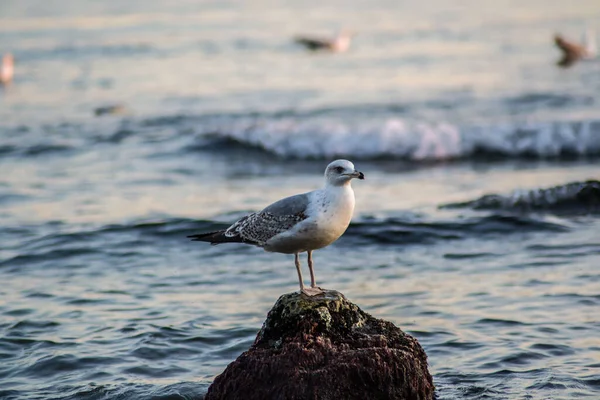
326 347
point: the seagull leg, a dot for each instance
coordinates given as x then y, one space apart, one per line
314 289
313 281
297 261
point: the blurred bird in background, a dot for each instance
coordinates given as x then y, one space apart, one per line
339 44
7 69
573 52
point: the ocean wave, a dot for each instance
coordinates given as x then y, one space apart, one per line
177 391
571 198
135 239
322 134
395 230
323 138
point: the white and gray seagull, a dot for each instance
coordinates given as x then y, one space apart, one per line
338 44
300 223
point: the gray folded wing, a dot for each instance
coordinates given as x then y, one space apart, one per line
280 216
313 43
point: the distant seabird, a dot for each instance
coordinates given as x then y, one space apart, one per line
573 52
338 44
300 223
7 69
114 109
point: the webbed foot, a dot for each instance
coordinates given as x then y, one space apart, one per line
312 291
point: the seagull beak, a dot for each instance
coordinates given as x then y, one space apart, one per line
358 174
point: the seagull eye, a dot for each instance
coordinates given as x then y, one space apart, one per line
339 170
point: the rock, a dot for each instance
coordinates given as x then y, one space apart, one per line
325 347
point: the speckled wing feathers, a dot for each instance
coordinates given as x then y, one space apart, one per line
258 228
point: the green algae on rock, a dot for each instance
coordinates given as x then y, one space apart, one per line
326 347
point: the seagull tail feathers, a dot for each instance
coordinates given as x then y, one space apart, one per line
215 237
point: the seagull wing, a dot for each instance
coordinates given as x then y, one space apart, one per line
258 228
312 43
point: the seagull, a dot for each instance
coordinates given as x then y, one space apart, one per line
339 44
7 69
301 223
573 52
114 109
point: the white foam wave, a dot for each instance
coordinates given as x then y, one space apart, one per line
415 141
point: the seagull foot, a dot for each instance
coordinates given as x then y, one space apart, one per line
312 291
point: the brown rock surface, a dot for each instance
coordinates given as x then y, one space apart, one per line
325 347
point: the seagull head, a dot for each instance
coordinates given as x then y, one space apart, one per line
340 172
342 40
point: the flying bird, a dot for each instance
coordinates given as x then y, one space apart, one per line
7 69
339 44
301 223
573 52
